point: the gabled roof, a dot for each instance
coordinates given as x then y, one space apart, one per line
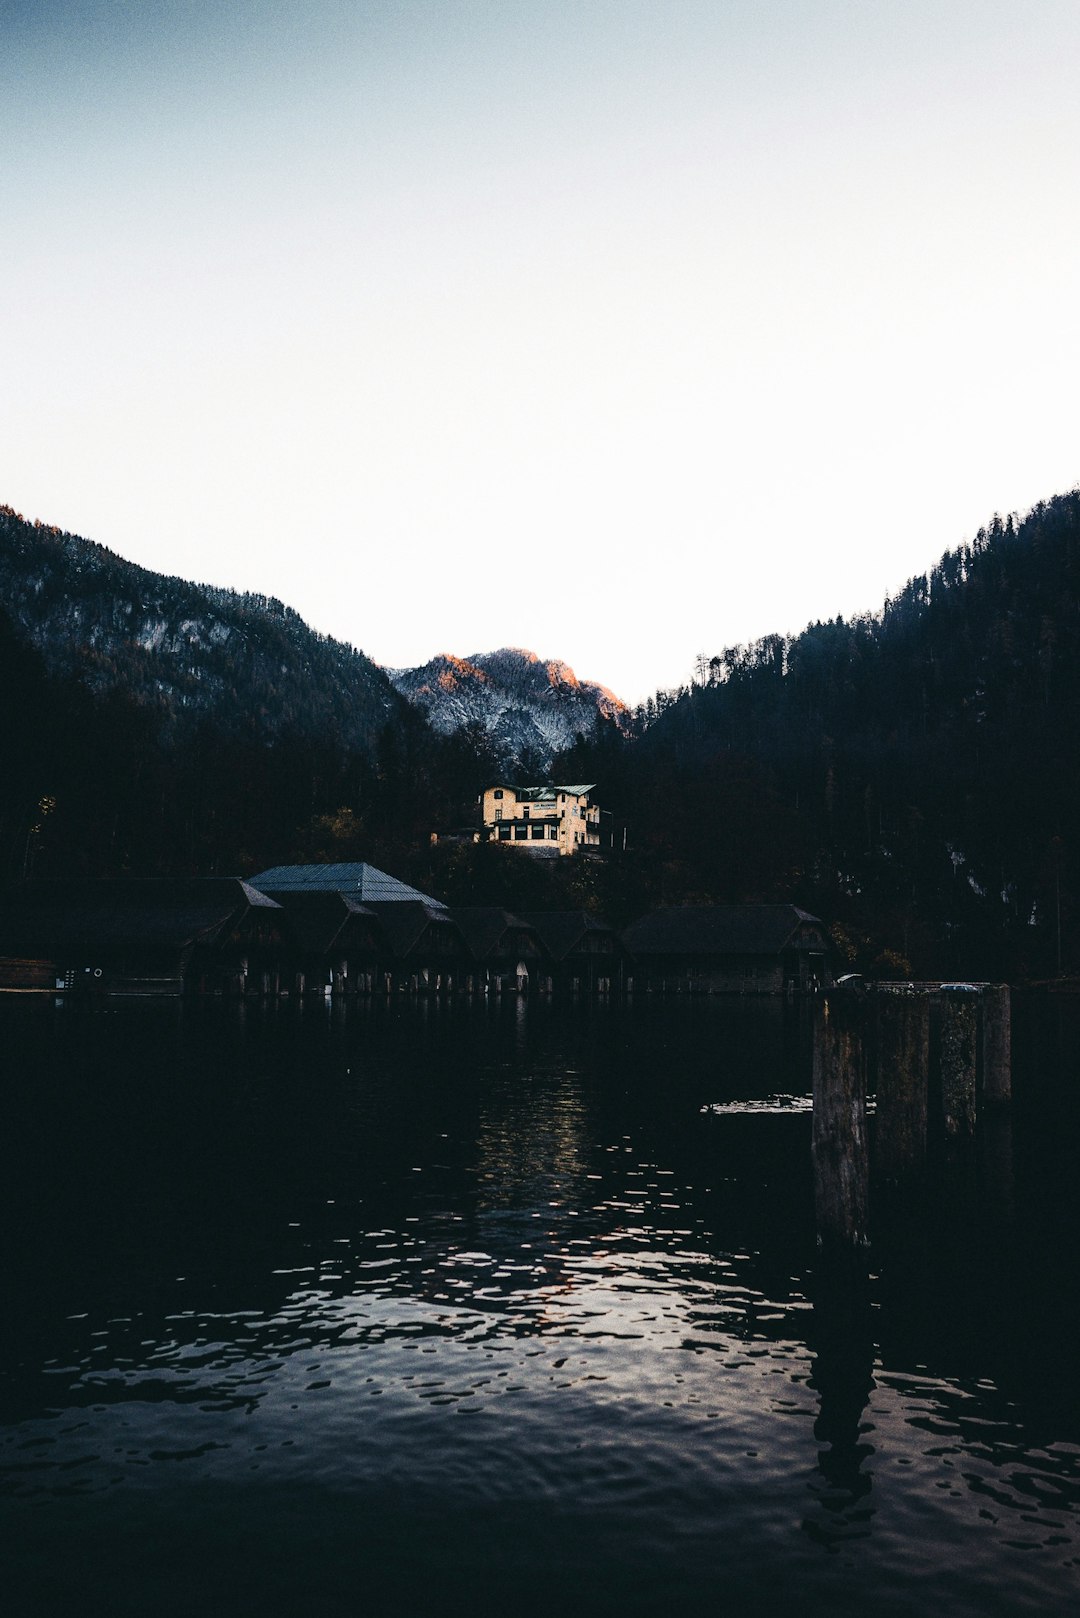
562 931
318 920
531 794
717 930
403 921
485 926
354 876
59 918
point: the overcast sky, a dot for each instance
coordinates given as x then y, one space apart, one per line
617 329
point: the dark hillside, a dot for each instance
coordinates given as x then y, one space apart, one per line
914 774
187 649
153 727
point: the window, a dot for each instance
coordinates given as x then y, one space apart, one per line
520 833
498 814
538 833
497 793
504 834
525 812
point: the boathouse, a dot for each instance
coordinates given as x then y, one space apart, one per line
504 949
338 944
140 936
586 953
426 949
729 949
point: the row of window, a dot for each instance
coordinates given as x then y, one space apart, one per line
519 831
498 792
575 813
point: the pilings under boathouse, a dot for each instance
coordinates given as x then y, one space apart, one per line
937 1058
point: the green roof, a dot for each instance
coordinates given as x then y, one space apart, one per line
532 793
354 877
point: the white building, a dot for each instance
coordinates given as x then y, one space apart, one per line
541 820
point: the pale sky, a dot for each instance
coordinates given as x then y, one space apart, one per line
617 329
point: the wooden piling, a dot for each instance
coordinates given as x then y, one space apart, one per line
959 1054
903 1074
995 1051
839 1136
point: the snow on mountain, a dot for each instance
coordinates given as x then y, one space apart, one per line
528 707
194 649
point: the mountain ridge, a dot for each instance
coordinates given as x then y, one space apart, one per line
528 708
191 648
184 647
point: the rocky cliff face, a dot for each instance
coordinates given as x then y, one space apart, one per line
528 708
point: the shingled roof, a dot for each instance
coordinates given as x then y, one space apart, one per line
403 923
362 881
485 926
562 931
717 930
318 920
63 918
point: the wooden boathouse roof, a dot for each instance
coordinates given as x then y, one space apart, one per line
404 922
564 931
764 929
485 928
112 913
320 921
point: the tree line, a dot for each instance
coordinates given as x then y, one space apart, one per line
911 776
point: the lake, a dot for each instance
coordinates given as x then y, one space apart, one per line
513 1307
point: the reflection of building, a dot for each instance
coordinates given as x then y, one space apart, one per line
742 949
542 820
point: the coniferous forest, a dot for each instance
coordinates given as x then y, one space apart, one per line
911 775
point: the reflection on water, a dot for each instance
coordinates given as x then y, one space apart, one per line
509 1306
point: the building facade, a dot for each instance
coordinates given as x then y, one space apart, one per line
543 820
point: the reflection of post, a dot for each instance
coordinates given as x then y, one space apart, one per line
843 1374
903 1052
839 1140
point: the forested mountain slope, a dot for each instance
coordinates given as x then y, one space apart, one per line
187 649
917 770
911 775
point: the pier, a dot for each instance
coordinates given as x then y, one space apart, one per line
937 1059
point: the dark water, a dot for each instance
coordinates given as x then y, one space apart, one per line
513 1309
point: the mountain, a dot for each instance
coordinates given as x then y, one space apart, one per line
189 650
912 774
528 709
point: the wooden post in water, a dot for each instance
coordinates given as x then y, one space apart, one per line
995 1065
839 1137
959 1047
903 1076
